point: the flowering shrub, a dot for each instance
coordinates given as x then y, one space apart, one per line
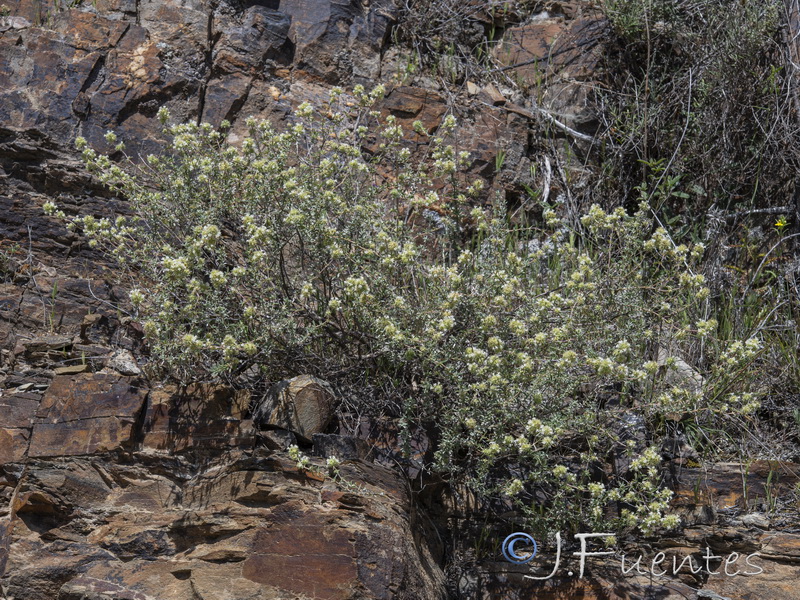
300 252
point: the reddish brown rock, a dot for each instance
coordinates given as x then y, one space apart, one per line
201 417
555 57
58 69
91 73
776 581
19 409
37 570
735 485
248 40
781 545
87 413
16 416
240 528
90 396
409 104
306 553
555 45
13 444
339 41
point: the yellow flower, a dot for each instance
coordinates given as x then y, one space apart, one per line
781 223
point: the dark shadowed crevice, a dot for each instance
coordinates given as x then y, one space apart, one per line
211 41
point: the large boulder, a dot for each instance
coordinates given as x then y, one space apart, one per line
303 404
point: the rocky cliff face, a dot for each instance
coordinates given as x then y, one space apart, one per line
114 487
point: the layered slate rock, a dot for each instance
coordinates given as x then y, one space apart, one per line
17 412
244 48
408 104
726 486
242 527
340 42
201 418
87 69
86 414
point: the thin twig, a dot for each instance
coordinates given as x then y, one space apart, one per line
548 174
777 210
530 115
